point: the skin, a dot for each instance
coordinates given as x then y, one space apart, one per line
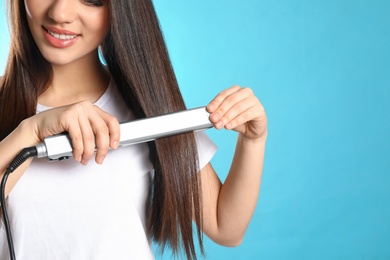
79 80
228 207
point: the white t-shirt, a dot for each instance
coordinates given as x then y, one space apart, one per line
64 210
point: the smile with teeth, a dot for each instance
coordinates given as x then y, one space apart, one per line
61 36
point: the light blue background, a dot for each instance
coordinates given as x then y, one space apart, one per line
322 71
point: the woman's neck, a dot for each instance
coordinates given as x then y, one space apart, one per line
78 81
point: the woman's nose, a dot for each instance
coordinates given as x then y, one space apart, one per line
63 11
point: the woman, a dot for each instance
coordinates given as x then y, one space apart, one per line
112 208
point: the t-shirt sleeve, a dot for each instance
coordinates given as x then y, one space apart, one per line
206 148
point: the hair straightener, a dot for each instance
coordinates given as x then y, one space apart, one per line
59 147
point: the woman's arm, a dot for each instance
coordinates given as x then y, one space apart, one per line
89 128
228 207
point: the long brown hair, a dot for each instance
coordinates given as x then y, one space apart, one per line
138 61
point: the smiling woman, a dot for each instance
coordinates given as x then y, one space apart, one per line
54 82
62 24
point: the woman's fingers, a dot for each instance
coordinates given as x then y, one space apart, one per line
107 134
113 127
216 102
95 136
228 105
90 129
238 109
76 137
238 114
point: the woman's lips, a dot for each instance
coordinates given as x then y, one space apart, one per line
59 38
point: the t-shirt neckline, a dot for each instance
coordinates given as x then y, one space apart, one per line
103 99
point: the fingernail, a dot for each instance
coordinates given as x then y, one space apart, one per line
100 159
84 162
211 107
219 124
215 117
115 144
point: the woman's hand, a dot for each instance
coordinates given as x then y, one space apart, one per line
238 109
88 126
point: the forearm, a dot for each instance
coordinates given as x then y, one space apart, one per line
239 194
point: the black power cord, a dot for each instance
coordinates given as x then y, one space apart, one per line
26 153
